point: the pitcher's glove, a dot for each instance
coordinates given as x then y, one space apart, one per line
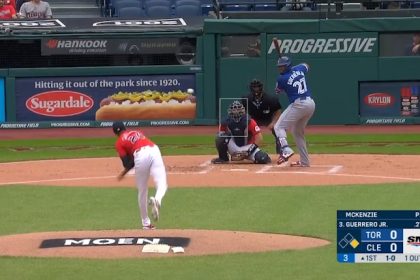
239 156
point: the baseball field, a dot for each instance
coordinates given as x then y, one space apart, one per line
241 221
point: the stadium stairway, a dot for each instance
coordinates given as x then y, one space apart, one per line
75 8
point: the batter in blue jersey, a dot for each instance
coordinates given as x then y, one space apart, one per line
296 116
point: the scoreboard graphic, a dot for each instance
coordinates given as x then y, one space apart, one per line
378 236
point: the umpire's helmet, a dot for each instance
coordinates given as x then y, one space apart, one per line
256 87
236 111
117 127
284 61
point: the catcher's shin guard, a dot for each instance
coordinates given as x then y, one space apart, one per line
222 146
262 157
258 155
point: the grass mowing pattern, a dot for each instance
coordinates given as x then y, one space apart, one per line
295 210
304 210
17 150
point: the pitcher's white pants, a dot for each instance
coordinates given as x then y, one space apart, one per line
148 162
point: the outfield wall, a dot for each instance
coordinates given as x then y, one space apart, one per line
337 71
358 74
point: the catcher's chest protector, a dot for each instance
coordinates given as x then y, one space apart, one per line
239 130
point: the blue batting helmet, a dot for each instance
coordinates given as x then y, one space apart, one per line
284 61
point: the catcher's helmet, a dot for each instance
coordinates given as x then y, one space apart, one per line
117 127
236 111
284 61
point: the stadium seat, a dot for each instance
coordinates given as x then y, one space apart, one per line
187 2
114 5
150 3
206 6
236 5
158 11
416 5
130 12
118 4
187 8
191 2
265 5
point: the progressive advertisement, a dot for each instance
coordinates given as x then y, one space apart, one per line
389 102
106 98
325 45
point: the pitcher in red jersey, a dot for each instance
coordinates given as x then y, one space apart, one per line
138 152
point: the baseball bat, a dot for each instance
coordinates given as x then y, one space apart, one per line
276 45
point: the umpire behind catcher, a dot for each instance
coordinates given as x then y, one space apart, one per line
264 108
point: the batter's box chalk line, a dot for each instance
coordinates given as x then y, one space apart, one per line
282 168
202 168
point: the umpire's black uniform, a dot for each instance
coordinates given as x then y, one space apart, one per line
262 110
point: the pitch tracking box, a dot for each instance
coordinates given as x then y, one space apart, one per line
378 236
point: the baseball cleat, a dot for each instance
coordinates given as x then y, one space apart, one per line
281 160
219 161
285 155
154 204
149 227
298 164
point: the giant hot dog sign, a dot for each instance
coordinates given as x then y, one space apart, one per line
147 97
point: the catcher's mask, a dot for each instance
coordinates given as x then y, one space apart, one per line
236 111
117 127
256 88
284 63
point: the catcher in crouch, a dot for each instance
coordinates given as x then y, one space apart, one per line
239 137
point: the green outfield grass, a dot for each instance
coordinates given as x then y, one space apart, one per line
16 150
309 211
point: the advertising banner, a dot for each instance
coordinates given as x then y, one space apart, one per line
101 46
325 45
106 98
32 24
2 101
395 101
67 124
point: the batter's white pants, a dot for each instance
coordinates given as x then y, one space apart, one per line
148 162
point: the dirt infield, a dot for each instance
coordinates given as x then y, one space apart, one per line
195 171
111 244
192 171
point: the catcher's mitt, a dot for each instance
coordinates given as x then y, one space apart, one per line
239 156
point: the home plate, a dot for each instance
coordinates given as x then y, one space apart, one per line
235 169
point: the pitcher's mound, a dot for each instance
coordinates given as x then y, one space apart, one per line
112 244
